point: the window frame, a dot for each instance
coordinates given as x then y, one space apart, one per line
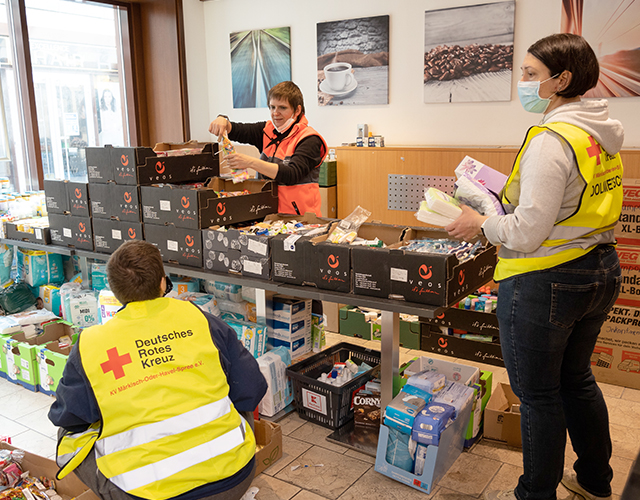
151 117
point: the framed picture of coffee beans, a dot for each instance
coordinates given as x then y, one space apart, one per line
468 53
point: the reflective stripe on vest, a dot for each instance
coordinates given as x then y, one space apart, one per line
598 211
175 425
306 195
73 448
142 476
168 423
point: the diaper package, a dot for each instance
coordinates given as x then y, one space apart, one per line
108 305
428 381
252 336
402 410
237 311
36 267
50 295
398 450
205 301
430 422
456 395
273 365
99 276
472 193
421 457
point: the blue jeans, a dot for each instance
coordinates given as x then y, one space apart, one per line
549 322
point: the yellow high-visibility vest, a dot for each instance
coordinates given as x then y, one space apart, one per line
168 425
598 211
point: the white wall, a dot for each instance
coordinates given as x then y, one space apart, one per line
406 120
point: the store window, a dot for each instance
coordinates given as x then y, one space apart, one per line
76 56
13 172
78 87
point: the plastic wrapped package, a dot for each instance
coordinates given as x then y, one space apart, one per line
225 291
443 204
472 193
81 308
16 297
398 450
108 305
240 311
429 381
205 301
273 366
6 261
99 276
347 229
36 267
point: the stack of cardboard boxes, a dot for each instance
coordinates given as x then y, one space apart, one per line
616 358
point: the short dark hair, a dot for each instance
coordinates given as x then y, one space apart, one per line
135 271
566 51
288 91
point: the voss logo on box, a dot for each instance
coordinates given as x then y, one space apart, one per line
221 210
332 271
184 211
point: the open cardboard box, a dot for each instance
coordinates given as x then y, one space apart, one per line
68 488
330 264
502 416
269 450
268 444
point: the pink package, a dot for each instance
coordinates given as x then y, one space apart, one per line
487 176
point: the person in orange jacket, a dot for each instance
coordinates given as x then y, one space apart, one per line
291 151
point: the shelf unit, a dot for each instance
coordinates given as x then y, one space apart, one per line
265 289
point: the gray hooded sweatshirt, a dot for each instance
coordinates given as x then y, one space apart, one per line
550 183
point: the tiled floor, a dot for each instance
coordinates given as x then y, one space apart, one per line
346 474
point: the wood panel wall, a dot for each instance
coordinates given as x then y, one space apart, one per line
362 173
157 36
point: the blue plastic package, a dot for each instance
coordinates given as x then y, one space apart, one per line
398 450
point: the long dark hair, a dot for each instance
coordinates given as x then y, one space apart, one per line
103 104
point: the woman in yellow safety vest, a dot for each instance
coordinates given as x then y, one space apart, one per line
558 269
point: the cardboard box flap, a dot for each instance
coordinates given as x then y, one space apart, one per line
173 146
307 217
269 441
253 186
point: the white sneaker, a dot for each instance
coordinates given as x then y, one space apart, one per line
500 495
570 481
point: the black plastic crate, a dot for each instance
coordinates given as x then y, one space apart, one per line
333 405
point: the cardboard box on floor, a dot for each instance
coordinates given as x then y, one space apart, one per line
268 444
69 487
502 416
268 440
616 357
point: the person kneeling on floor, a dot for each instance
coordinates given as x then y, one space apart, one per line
156 403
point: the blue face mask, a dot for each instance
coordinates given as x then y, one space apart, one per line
529 94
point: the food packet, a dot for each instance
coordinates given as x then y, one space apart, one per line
226 149
347 229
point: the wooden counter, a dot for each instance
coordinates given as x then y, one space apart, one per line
363 173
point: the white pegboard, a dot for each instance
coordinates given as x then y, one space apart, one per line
405 192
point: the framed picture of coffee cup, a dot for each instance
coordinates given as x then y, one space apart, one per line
353 61
260 59
468 53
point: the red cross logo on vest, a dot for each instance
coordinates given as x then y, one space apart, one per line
116 363
594 150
